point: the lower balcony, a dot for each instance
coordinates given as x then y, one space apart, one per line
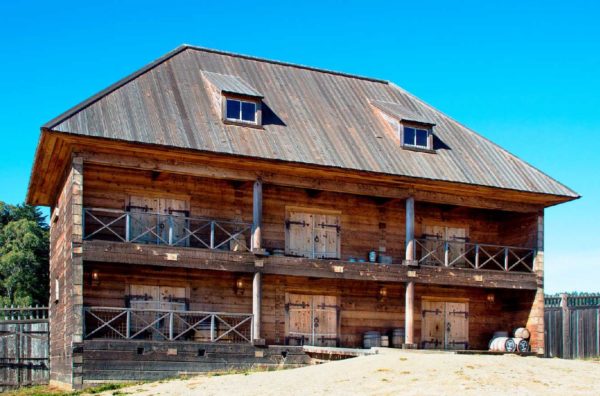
172 323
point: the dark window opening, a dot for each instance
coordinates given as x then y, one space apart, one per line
416 137
240 111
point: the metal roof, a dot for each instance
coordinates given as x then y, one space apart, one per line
231 84
401 113
310 116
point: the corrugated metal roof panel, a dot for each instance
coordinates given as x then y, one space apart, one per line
310 116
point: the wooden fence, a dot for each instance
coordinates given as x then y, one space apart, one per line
572 326
23 347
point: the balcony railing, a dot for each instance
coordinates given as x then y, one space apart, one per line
167 325
175 229
461 254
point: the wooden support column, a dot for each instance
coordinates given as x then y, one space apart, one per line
410 286
409 340
256 305
410 229
535 322
257 217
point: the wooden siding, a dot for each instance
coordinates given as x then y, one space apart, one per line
361 307
366 223
65 311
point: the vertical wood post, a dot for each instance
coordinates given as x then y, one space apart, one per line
566 326
477 256
535 322
410 229
409 314
256 303
257 216
410 286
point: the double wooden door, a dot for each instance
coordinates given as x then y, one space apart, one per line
436 236
158 220
445 325
312 320
313 235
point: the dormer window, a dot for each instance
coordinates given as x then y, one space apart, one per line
238 110
416 137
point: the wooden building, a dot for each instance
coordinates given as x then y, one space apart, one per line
216 209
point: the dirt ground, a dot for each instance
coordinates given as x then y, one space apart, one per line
395 372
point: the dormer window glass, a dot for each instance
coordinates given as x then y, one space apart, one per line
417 137
238 110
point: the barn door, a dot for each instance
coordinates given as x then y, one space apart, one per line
312 235
312 320
326 236
457 325
299 234
143 226
432 328
445 325
434 250
457 238
176 213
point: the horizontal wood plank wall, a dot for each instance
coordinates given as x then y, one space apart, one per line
361 308
366 223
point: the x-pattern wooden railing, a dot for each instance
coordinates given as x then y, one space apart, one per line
167 325
164 229
453 253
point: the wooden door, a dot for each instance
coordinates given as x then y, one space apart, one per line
457 238
457 325
299 319
176 213
312 320
445 325
326 236
299 241
432 326
143 227
325 323
434 248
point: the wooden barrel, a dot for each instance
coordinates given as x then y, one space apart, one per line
371 339
522 344
503 344
385 341
521 332
398 337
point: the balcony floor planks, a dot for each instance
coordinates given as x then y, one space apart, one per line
126 253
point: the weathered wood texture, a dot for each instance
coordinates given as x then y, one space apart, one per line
362 308
152 360
23 354
130 254
366 223
66 271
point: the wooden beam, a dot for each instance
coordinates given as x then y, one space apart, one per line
410 229
204 259
257 205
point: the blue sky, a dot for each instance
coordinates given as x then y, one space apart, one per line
524 74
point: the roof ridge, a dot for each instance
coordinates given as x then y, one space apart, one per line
283 63
466 128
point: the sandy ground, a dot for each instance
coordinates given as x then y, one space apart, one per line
397 372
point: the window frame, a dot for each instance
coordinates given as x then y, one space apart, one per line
257 122
428 129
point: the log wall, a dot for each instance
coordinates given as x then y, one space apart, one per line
65 311
366 223
361 308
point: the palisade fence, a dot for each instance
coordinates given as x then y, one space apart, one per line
572 326
23 347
